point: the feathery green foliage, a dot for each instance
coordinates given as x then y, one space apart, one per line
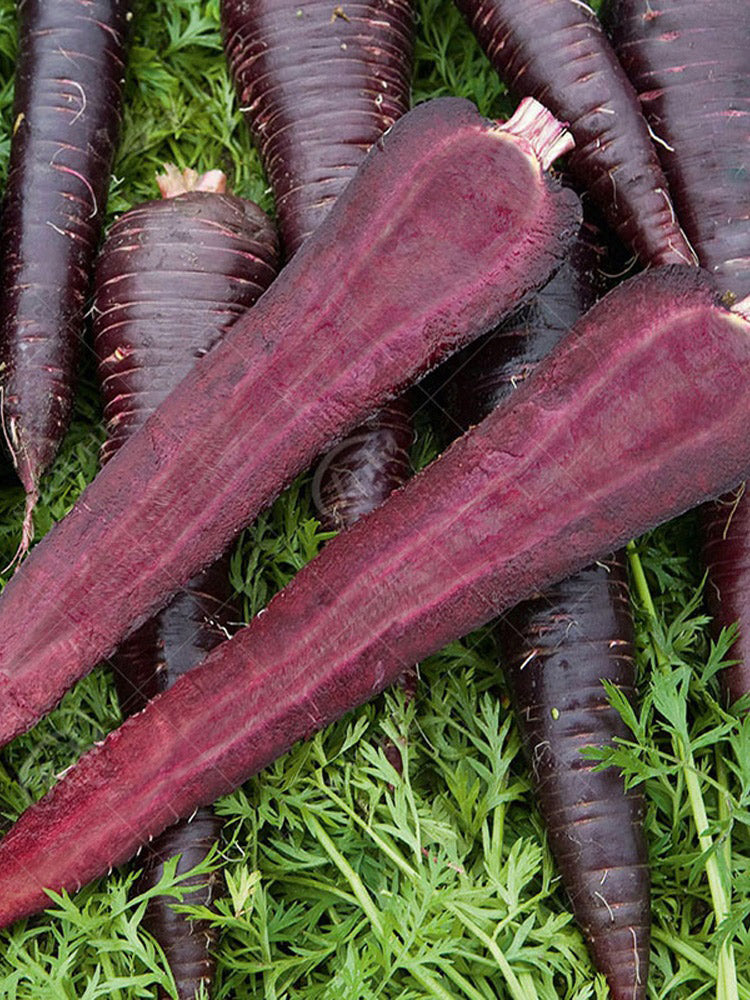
344 880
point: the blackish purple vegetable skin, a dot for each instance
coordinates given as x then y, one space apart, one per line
641 413
66 117
319 84
556 51
559 648
358 313
173 276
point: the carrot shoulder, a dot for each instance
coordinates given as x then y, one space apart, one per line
556 51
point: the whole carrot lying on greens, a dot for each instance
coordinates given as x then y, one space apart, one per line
66 118
556 649
690 67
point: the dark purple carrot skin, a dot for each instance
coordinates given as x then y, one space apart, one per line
557 648
358 313
220 253
640 414
690 66
320 85
68 94
156 312
556 51
357 475
148 662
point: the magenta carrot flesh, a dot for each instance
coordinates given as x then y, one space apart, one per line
641 413
359 312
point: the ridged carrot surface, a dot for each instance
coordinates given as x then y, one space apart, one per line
66 113
556 51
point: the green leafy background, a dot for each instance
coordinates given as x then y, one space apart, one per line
342 879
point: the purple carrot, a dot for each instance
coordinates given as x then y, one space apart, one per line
320 85
66 117
559 647
222 253
641 413
556 51
556 649
281 386
690 66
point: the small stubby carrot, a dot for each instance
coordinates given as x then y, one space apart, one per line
689 65
638 415
172 277
556 51
66 117
360 312
556 649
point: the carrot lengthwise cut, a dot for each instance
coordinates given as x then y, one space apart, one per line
556 51
641 413
690 66
319 87
556 649
221 252
360 311
66 115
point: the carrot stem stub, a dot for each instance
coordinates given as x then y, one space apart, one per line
556 51
360 311
641 413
